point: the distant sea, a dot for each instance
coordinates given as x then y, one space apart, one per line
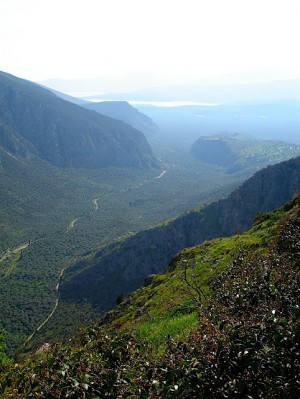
93 97
171 103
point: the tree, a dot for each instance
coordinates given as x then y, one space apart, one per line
4 359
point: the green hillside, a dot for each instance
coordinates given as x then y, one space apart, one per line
56 223
223 321
97 255
172 302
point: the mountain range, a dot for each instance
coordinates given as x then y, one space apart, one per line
35 122
215 307
75 216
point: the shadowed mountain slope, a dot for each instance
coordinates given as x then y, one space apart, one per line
34 121
121 267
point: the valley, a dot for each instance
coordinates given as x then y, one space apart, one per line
76 214
149 199
91 211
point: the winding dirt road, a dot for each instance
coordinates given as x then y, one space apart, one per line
96 204
10 252
52 312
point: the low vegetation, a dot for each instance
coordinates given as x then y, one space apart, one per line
40 202
236 305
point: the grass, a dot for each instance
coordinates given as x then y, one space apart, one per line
157 331
167 306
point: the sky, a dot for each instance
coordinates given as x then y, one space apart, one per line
132 44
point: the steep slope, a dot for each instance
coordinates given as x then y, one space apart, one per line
125 112
238 298
165 300
35 121
121 267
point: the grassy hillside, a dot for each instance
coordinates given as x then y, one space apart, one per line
122 266
172 302
223 321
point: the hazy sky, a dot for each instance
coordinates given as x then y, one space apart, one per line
149 42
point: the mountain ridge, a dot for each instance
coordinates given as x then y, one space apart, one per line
123 111
66 134
122 267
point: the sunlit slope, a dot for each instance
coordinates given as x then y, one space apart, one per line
170 303
223 321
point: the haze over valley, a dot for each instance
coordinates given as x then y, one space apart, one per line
75 180
149 192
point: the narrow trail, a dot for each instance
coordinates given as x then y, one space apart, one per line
71 225
13 251
146 181
96 203
161 175
73 222
53 310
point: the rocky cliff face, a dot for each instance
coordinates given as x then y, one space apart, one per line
63 133
121 267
